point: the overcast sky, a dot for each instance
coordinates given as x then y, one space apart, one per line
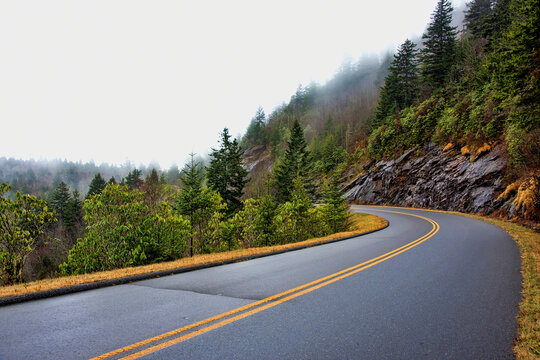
111 81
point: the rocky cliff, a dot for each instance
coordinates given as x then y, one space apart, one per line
450 179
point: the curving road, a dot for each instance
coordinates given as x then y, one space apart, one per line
430 286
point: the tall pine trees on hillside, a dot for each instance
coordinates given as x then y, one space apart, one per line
226 174
439 46
295 163
476 16
401 85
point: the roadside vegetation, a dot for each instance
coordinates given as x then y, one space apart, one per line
360 223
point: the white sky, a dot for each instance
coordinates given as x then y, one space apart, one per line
111 81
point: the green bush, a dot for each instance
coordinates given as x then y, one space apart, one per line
122 231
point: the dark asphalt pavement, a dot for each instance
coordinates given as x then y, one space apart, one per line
454 296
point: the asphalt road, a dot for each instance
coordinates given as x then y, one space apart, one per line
439 286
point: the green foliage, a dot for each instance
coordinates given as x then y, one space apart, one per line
96 185
60 199
22 221
192 175
134 179
204 209
401 85
439 46
226 174
256 131
123 231
295 163
477 17
74 211
335 208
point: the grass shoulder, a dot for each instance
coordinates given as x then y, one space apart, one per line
360 223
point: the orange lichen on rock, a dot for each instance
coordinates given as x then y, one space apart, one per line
509 191
448 147
481 151
527 198
465 150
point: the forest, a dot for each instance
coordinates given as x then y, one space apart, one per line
475 88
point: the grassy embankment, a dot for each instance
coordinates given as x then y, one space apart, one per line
360 223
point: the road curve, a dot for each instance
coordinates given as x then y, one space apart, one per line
430 286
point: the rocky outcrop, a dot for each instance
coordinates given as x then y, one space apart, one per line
436 179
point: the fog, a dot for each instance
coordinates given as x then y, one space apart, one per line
150 82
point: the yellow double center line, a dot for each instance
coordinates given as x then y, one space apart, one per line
212 323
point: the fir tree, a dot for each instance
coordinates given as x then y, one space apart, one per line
134 180
439 46
112 181
192 175
401 85
295 163
256 133
60 200
226 174
74 213
476 16
96 185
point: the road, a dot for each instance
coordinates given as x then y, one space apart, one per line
430 286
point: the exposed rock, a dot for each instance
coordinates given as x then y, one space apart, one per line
437 180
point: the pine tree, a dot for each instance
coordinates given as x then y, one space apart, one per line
476 17
439 46
96 185
256 133
192 175
134 180
400 89
226 174
112 181
295 163
74 213
60 200
335 207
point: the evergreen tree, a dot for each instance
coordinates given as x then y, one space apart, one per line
112 181
192 175
439 46
73 214
195 202
401 85
476 16
97 185
295 163
226 174
60 200
256 131
134 180
335 207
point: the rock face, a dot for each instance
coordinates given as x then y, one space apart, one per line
436 180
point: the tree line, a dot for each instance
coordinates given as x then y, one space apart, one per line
141 221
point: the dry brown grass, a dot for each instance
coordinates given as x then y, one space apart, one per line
360 222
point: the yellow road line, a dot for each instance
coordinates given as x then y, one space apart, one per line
309 287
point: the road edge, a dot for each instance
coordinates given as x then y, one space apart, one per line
17 299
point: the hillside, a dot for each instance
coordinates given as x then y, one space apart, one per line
461 106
